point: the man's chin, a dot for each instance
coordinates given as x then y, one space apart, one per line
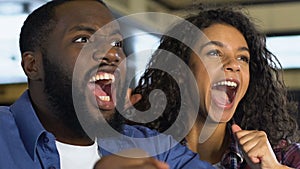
107 114
106 105
110 124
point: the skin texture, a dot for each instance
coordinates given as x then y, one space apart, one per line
50 70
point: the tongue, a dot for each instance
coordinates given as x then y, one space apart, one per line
99 91
220 97
102 88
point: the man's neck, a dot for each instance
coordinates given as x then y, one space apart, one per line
62 131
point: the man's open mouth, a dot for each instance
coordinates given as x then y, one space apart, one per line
102 86
224 92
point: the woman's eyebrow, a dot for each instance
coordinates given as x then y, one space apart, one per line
216 43
220 44
244 49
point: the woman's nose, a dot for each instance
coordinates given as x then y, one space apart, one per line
231 64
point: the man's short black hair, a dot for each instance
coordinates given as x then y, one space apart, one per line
38 26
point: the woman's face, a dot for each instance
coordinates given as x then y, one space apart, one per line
221 69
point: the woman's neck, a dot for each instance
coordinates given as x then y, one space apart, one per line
210 141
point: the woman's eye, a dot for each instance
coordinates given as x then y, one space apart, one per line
244 59
82 40
214 53
118 44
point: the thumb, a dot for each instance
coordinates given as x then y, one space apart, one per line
235 128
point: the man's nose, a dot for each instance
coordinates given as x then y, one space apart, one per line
112 56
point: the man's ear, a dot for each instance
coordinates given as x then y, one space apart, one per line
31 65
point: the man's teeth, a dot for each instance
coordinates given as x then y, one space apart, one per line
226 83
104 98
104 76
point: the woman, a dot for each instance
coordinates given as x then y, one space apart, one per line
238 82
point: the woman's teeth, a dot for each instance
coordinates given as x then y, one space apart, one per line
225 83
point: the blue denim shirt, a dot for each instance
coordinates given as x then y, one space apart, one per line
25 144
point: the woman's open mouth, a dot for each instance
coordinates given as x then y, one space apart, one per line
224 92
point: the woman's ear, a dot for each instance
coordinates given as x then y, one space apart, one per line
31 65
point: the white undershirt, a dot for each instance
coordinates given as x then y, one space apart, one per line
77 157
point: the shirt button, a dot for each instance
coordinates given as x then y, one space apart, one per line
46 139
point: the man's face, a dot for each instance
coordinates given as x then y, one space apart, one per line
80 47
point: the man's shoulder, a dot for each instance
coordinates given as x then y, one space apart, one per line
7 120
8 127
138 131
5 115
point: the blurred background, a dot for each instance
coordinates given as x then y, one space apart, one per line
278 19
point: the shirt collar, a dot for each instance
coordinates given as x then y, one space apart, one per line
27 122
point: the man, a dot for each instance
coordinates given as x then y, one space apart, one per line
55 122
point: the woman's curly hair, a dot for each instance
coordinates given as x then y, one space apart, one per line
265 105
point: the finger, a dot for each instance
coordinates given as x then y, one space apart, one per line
253 155
245 134
254 145
252 136
251 161
247 142
255 160
235 128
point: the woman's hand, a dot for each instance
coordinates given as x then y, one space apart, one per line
131 99
257 149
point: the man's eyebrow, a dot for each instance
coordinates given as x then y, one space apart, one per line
93 30
111 32
83 28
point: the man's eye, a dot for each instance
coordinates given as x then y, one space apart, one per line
118 44
82 40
